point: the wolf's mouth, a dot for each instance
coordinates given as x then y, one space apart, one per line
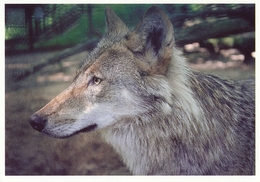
89 128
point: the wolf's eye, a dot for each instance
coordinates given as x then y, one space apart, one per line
96 80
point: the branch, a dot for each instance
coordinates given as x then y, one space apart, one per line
55 59
208 30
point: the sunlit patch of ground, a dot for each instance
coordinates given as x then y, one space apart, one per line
55 78
228 63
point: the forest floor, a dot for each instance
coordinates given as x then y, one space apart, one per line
28 152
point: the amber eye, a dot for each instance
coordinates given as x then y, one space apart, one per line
96 80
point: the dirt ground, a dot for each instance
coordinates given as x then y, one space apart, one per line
28 152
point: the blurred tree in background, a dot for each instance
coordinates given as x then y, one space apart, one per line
49 26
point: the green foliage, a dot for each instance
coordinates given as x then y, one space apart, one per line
81 31
98 18
196 7
14 32
228 41
130 13
76 34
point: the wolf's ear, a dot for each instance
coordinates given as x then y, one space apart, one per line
115 26
153 39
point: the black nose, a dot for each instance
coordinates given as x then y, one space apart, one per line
37 122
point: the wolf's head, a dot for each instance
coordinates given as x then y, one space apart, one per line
124 76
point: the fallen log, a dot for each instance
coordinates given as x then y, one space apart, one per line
217 29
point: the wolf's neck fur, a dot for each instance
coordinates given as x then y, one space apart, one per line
138 139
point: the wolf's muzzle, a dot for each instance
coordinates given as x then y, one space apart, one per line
37 122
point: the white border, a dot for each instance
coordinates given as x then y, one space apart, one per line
119 178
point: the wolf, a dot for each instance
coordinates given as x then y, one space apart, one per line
160 116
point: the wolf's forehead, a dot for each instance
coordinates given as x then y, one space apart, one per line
106 43
104 46
115 59
110 59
